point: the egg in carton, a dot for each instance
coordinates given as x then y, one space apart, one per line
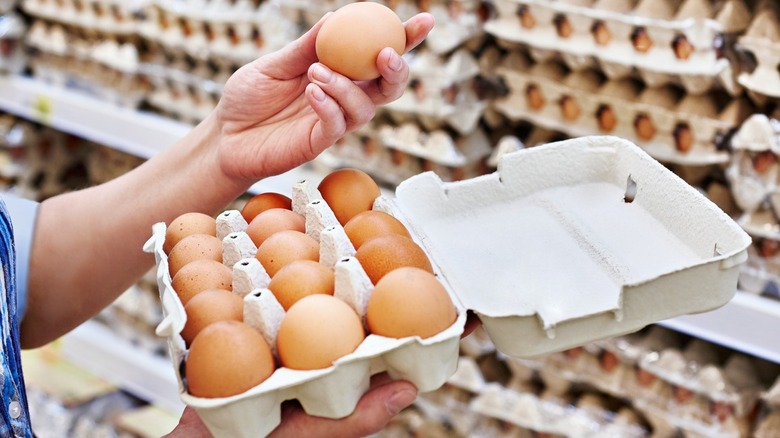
762 42
441 91
569 217
663 40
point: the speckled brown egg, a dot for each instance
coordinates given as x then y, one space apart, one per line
262 202
409 301
348 192
208 307
274 220
284 247
187 224
372 223
382 254
194 247
227 358
299 279
316 331
200 275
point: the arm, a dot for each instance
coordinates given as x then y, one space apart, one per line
275 113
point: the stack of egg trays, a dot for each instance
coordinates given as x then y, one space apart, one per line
760 47
602 34
753 174
706 119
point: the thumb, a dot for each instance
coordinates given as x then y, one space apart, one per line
374 410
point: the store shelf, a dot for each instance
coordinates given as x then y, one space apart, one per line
97 349
748 323
137 133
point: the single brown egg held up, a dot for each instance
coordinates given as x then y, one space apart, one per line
316 331
227 358
194 247
262 202
208 307
409 301
284 247
372 223
350 40
273 220
187 224
348 192
200 275
382 254
301 278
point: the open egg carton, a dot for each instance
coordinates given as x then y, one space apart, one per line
221 31
671 126
761 44
661 41
598 206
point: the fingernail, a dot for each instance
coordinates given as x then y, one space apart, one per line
317 93
401 399
395 62
321 74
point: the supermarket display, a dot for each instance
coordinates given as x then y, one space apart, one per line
693 83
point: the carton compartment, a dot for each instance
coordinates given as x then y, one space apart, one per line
575 241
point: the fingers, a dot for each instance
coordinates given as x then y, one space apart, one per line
374 410
417 28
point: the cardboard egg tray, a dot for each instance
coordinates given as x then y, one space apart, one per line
564 244
762 41
441 92
537 23
704 116
110 16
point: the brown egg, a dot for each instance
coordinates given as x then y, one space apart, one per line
316 331
284 247
348 192
208 307
194 247
187 224
644 127
409 302
199 275
272 221
570 110
350 40
372 223
534 97
227 358
299 279
262 202
683 137
383 254
606 118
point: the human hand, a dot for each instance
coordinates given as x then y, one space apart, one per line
285 108
384 400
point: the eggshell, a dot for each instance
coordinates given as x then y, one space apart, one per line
299 279
316 331
350 40
262 202
382 254
194 247
208 307
187 224
272 221
409 301
373 223
199 275
284 247
227 358
348 192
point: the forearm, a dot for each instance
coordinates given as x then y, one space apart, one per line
88 244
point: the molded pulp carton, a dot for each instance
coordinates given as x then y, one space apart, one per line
564 244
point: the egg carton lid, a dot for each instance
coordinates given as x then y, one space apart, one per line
563 206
